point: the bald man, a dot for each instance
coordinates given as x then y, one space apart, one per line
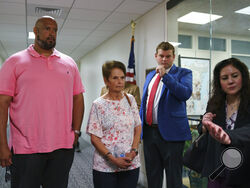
42 90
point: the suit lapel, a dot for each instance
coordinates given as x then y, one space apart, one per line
145 90
149 79
163 89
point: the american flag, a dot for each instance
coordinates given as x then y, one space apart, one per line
130 75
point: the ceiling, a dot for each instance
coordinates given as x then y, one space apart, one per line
82 24
231 23
85 24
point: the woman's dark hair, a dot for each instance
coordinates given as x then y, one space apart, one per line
218 97
109 65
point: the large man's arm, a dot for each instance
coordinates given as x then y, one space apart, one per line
5 154
78 111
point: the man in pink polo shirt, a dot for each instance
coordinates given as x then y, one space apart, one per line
42 90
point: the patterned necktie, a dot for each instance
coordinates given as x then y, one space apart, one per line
151 100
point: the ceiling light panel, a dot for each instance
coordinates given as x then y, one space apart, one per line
175 44
198 18
245 10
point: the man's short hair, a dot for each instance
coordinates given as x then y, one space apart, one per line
165 46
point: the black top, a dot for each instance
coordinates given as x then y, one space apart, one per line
240 138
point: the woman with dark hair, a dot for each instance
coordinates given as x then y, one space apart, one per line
227 121
115 127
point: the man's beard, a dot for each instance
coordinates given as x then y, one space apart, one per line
46 45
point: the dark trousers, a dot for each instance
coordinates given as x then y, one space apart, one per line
162 155
51 170
124 179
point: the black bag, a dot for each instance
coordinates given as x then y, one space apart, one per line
194 157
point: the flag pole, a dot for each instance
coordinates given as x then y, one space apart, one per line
132 24
130 75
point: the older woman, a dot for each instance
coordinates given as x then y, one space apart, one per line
228 122
115 127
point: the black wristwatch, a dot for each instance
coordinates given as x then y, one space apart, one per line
78 132
135 150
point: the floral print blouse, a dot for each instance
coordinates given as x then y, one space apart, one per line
114 121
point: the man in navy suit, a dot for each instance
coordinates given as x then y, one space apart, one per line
165 134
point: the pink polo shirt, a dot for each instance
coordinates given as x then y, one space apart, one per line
42 89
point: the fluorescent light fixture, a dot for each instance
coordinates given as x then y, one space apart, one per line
198 18
31 35
175 43
245 10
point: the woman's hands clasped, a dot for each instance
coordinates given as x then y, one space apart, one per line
124 162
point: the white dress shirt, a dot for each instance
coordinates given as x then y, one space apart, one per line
157 96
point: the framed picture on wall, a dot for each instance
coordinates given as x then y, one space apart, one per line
197 103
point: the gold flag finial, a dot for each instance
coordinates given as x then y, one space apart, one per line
132 24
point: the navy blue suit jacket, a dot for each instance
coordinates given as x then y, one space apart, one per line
172 116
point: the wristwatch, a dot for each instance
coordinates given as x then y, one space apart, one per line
135 150
78 132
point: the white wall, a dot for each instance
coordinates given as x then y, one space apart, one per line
149 32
